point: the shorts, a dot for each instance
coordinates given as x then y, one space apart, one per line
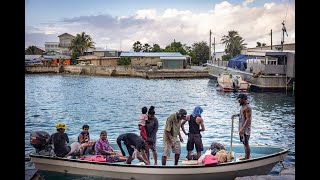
176 149
245 139
194 140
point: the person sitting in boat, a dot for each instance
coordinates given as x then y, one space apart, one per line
84 140
194 136
103 147
60 142
133 141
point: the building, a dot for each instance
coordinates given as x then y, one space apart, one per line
52 48
106 53
34 50
167 60
65 43
56 60
98 60
290 47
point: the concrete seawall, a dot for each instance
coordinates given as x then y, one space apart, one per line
118 71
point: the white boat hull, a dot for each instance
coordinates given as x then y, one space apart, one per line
256 166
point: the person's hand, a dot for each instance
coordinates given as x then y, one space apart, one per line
241 132
171 144
181 139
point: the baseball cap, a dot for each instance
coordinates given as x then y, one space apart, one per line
183 112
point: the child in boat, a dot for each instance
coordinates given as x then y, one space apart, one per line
84 140
103 147
142 123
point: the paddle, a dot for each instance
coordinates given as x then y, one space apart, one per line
231 134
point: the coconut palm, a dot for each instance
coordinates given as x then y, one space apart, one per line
81 43
233 43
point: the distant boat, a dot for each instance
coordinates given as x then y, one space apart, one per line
230 82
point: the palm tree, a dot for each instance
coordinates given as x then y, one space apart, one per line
233 43
31 50
81 43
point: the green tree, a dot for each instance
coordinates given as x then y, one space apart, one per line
226 57
234 43
258 44
31 50
124 61
176 47
201 52
81 43
137 46
156 48
146 48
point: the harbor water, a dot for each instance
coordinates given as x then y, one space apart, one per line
114 104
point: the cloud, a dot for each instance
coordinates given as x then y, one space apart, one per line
246 2
150 26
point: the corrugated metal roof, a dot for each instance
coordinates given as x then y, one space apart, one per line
32 56
56 56
168 58
151 54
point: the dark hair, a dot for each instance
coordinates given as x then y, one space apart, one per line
151 110
85 126
144 110
103 132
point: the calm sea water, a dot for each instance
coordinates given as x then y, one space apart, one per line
114 104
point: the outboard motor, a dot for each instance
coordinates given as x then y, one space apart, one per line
39 140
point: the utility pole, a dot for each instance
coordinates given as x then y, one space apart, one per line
210 45
271 39
214 47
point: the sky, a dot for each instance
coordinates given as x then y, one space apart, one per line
117 24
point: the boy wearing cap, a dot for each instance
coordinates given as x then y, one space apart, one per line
170 139
245 117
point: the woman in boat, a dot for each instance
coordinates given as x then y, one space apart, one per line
152 128
103 147
60 142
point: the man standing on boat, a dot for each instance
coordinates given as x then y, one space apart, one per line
170 139
245 117
194 137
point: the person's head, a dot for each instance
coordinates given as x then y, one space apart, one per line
61 127
144 110
182 114
85 128
242 99
103 135
151 112
197 111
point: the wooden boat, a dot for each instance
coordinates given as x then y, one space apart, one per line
262 160
229 82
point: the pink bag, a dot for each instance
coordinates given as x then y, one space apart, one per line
210 160
97 158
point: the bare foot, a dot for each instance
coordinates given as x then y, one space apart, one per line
243 158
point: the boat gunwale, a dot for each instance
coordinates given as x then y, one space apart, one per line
283 151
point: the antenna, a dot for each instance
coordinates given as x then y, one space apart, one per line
284 30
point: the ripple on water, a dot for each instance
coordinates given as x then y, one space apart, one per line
114 105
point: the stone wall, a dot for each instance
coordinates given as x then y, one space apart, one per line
119 71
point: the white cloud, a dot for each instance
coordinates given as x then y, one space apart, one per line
150 26
246 2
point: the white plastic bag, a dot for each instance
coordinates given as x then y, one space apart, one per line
201 158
